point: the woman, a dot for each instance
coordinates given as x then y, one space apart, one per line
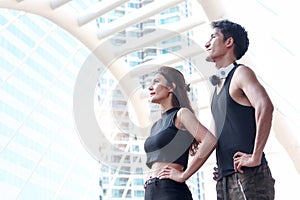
173 137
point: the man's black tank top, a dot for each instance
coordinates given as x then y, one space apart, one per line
166 143
235 127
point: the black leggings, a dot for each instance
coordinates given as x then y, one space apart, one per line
167 189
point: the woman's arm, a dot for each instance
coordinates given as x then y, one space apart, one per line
207 143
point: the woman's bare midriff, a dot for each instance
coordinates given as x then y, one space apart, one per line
158 166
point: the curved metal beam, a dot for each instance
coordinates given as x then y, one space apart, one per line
213 9
57 3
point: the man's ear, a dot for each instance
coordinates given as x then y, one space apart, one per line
229 42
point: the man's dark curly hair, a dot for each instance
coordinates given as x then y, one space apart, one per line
237 32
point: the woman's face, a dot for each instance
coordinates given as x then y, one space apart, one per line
159 91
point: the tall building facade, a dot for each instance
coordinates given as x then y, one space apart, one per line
41 156
126 182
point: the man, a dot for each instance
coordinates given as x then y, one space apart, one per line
242 111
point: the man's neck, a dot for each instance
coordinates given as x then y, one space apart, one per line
225 64
224 61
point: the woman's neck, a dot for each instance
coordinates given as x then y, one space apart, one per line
165 108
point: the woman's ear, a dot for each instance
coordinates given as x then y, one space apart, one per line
174 85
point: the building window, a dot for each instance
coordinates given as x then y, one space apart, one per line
117 192
138 193
169 20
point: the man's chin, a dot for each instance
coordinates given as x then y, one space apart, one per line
209 59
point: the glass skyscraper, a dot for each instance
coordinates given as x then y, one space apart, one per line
127 181
41 156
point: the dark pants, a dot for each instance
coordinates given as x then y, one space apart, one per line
166 189
255 183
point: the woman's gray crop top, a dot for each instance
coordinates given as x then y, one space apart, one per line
166 143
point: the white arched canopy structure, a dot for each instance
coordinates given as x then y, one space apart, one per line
78 24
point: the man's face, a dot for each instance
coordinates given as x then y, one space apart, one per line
215 46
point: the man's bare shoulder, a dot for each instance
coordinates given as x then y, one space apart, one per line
244 76
244 70
243 80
